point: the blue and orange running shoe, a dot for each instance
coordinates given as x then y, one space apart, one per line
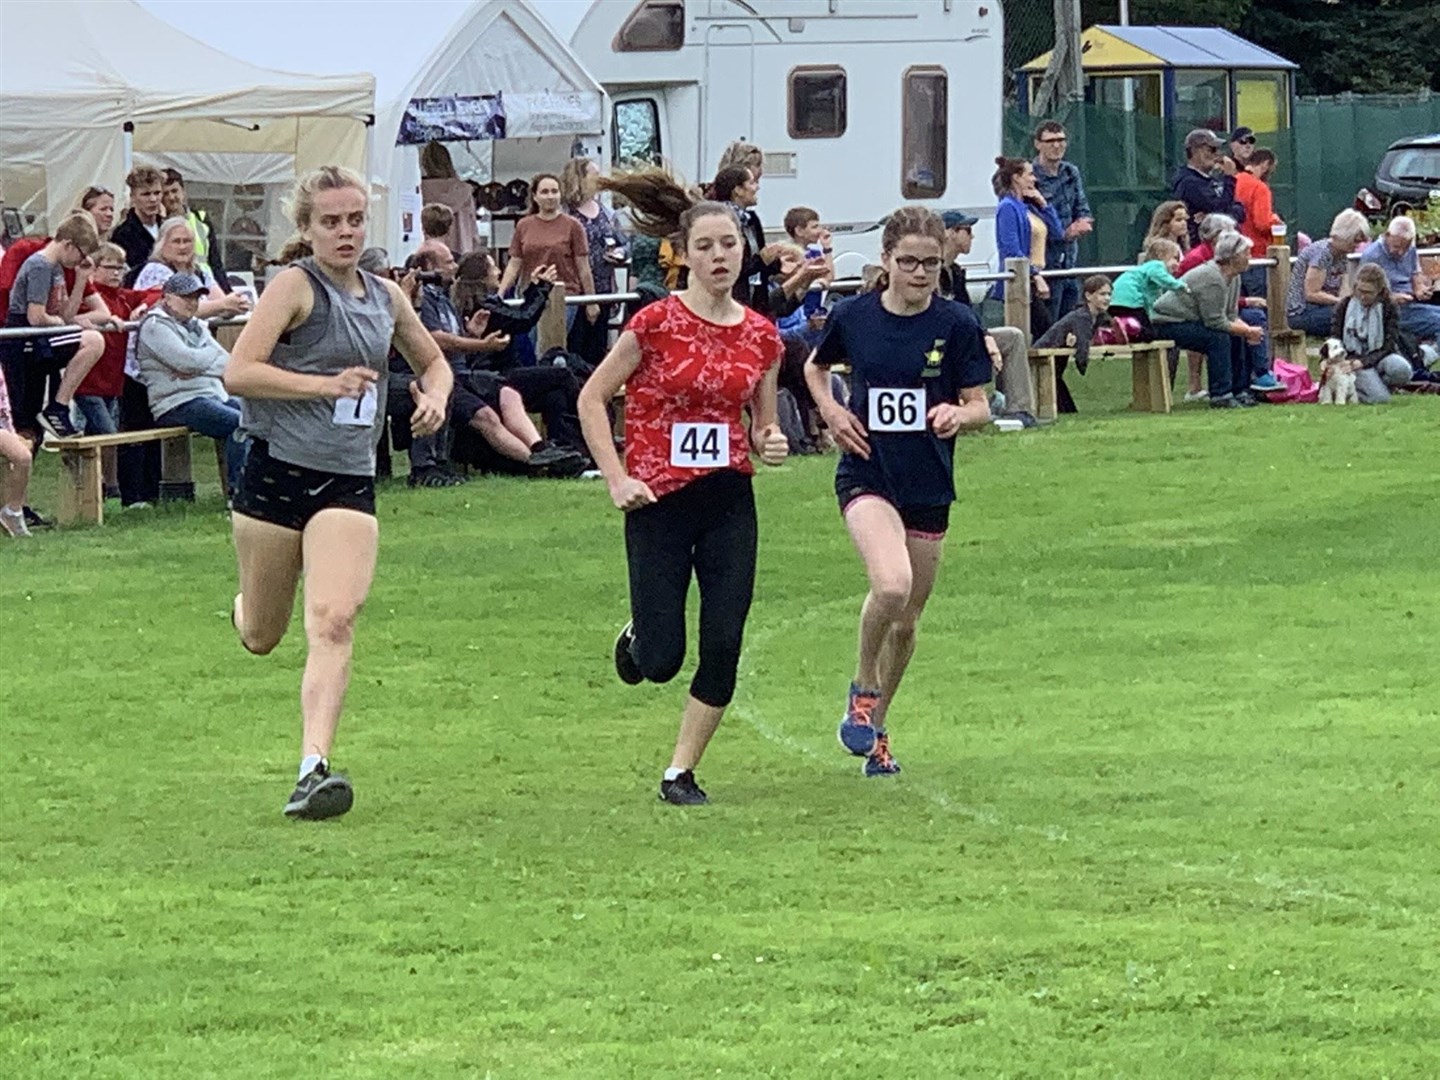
857 732
880 763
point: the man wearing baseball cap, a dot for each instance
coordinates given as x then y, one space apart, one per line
1200 183
1005 344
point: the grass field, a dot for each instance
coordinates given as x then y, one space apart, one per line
1169 805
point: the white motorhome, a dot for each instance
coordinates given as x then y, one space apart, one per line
859 105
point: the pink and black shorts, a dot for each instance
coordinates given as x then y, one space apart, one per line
921 522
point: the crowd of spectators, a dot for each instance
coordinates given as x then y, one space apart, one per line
157 260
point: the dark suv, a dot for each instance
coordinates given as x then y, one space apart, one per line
1409 171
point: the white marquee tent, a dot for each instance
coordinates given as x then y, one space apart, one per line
75 73
497 47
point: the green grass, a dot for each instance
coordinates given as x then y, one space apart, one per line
1169 805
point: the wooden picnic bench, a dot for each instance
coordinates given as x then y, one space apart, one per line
1149 374
81 495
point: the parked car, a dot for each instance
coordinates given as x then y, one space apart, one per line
1406 175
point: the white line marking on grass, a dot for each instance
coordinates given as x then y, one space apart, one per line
744 706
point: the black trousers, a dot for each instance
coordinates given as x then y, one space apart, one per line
553 392
590 341
707 527
137 467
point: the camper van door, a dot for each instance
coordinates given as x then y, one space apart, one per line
728 111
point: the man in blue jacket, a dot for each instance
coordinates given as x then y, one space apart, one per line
1201 185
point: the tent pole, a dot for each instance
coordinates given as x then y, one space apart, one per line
129 147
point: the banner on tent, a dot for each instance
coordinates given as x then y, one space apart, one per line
452 119
554 112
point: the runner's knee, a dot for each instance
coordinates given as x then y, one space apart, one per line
332 623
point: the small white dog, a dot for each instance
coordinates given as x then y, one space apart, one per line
1337 374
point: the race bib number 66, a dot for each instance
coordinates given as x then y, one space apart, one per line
897 410
700 446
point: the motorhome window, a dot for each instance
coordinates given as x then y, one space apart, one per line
817 103
925 146
654 26
637 132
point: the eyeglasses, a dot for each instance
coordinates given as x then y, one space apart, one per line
1055 139
1248 140
909 263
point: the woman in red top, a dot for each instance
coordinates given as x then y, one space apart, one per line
689 364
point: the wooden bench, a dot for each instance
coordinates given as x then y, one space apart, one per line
81 495
1149 375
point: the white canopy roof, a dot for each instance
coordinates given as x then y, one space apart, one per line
496 47
74 72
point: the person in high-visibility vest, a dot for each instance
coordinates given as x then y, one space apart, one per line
207 248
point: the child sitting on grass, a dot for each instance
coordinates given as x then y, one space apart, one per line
1136 291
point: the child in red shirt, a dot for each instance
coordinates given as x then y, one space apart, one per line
690 364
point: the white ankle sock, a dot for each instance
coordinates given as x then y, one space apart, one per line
308 764
673 773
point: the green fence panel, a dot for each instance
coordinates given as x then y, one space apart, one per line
1127 160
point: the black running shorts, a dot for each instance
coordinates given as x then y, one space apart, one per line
921 522
290 495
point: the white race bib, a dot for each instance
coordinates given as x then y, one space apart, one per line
700 446
357 412
897 410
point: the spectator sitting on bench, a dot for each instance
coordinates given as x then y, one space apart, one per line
1367 322
550 389
37 299
1317 280
1135 291
181 365
1205 316
1410 289
481 400
15 475
1075 331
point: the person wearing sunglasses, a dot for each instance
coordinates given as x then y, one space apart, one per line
1242 146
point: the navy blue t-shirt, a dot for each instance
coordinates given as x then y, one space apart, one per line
938 353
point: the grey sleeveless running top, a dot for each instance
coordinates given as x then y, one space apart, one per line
342 331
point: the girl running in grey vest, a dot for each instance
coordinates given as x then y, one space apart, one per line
310 367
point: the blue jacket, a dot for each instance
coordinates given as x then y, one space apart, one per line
1012 233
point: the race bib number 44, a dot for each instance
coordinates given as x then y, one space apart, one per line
700 446
357 412
897 410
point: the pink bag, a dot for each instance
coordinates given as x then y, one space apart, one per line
1123 330
1300 388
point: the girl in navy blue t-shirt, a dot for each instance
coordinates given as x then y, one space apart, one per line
918 367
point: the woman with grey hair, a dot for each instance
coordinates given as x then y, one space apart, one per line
1212 226
1317 280
1206 317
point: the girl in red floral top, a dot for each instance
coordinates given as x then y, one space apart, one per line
689 365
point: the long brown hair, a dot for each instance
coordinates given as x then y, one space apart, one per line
1006 171
659 206
1160 223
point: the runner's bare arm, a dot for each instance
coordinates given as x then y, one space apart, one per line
285 304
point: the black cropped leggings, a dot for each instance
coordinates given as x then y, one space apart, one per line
709 527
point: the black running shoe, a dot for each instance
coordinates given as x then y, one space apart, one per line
320 794
34 520
683 791
625 665
56 420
